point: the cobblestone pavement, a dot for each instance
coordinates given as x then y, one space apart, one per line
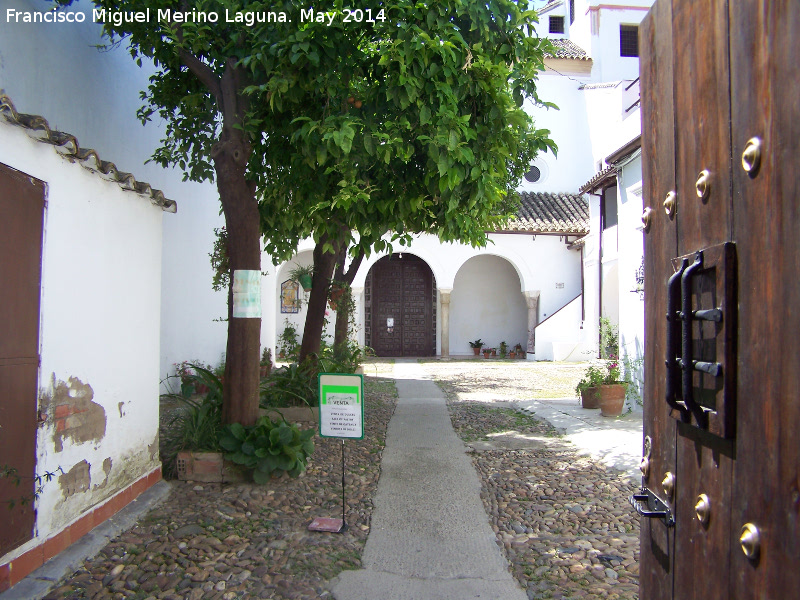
245 541
562 519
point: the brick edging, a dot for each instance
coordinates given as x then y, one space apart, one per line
18 568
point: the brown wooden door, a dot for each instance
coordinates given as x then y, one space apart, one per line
402 307
722 287
21 227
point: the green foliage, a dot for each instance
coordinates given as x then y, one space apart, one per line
197 422
476 344
435 139
290 385
609 339
288 345
268 446
503 349
14 477
266 357
301 271
594 376
220 261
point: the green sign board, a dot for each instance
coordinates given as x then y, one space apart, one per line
341 405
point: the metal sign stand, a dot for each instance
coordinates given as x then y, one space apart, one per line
341 415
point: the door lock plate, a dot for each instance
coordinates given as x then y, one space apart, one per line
648 505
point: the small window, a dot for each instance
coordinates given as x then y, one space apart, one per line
609 207
629 40
533 175
571 11
556 24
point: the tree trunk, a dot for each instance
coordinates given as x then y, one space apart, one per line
324 263
240 387
343 311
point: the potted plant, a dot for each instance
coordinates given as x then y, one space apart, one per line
601 388
519 351
288 344
303 275
335 294
476 346
503 349
588 388
487 352
612 390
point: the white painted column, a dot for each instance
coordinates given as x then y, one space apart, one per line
358 297
533 319
444 299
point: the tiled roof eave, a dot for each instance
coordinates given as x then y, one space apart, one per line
67 145
598 181
550 213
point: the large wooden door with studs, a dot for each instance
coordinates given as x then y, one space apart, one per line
721 159
401 295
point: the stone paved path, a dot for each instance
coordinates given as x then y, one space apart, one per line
430 538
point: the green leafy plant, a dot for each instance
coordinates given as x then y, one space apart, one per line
268 446
266 357
220 261
290 385
476 344
503 349
592 377
609 339
288 345
303 274
196 423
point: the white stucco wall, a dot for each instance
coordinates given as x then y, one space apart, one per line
510 265
54 70
487 303
557 338
99 327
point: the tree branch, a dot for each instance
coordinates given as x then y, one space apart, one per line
203 72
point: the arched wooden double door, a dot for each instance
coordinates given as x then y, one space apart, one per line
401 303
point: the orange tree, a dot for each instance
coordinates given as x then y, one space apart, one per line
346 125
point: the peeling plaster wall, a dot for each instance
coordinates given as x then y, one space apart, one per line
99 334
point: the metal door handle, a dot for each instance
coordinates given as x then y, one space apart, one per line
687 364
673 297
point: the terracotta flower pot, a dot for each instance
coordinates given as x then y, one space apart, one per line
487 353
476 351
512 354
590 398
612 399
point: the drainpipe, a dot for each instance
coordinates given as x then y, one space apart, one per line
600 271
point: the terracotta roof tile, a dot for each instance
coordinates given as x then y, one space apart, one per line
568 49
542 212
599 179
67 145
